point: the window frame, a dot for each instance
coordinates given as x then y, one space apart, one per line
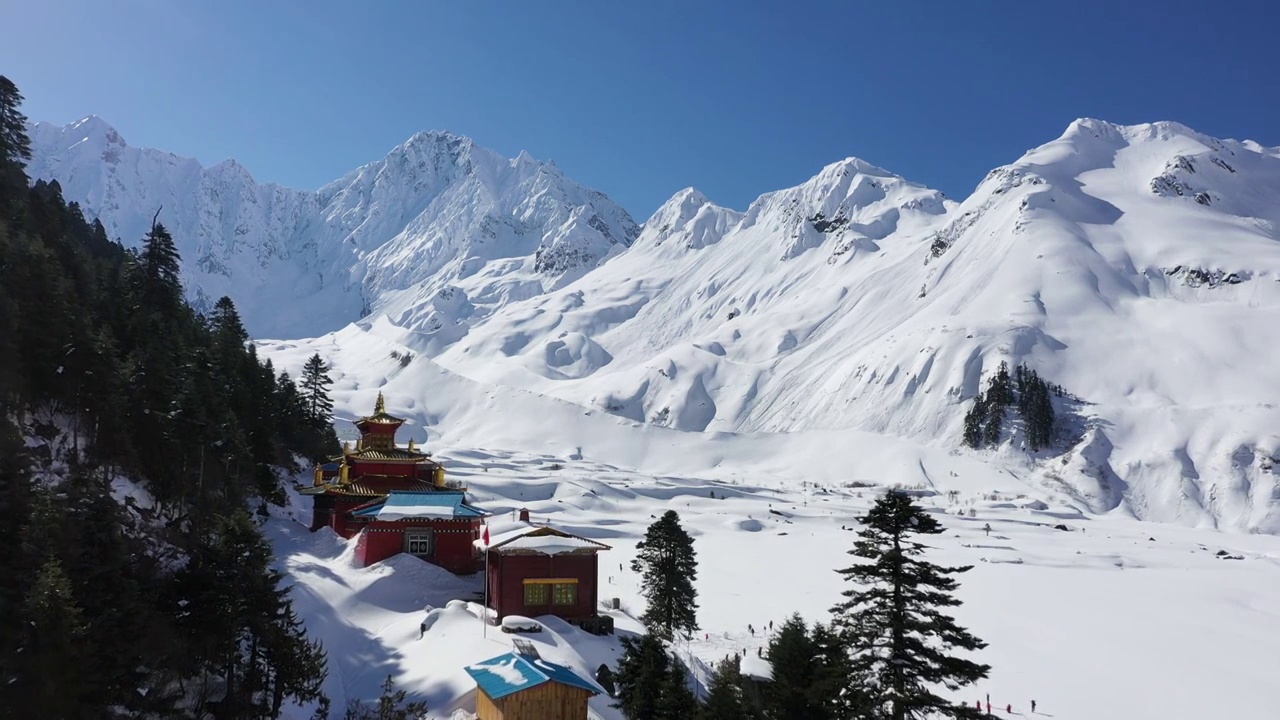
556 600
424 535
544 591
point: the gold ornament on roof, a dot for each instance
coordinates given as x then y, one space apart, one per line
380 406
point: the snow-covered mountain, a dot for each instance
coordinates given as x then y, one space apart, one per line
1136 266
438 212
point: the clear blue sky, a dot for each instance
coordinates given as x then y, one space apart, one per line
640 99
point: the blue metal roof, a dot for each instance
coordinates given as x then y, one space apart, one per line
404 502
511 673
329 466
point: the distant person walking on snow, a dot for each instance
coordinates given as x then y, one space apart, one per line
1009 708
987 527
422 629
751 630
1033 706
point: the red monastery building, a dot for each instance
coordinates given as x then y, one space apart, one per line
540 570
395 498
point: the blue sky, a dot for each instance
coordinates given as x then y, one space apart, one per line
640 99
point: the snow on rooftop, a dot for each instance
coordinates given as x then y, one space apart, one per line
400 505
551 544
507 670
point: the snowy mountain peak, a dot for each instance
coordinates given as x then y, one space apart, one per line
95 126
1160 130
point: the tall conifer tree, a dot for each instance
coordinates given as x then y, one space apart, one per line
652 685
315 391
668 566
892 620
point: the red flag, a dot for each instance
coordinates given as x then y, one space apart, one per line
486 536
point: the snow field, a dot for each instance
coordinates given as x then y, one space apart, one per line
1113 619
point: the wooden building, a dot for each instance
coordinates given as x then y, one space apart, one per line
350 494
523 687
540 570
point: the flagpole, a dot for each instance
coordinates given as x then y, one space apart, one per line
484 620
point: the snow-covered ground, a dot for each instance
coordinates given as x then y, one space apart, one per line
1112 619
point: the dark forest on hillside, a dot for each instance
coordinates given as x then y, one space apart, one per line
111 607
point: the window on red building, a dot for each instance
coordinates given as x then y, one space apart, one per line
537 594
564 594
417 542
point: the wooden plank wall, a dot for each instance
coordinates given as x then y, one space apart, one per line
485 708
549 701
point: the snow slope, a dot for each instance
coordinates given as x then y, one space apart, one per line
1112 619
439 220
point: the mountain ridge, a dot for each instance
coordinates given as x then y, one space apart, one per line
382 237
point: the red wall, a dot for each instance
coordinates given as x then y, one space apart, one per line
452 547
339 521
508 572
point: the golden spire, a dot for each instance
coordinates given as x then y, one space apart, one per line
380 406
413 445
346 447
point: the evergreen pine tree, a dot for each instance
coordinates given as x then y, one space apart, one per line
668 567
892 620
792 694
53 626
994 425
159 267
652 685
975 421
15 146
840 691
315 391
15 150
677 701
725 699
1001 386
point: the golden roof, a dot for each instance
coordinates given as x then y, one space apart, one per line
360 489
388 454
380 416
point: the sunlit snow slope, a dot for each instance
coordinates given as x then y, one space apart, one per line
1139 267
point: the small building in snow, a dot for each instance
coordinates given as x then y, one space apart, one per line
522 687
541 570
437 526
